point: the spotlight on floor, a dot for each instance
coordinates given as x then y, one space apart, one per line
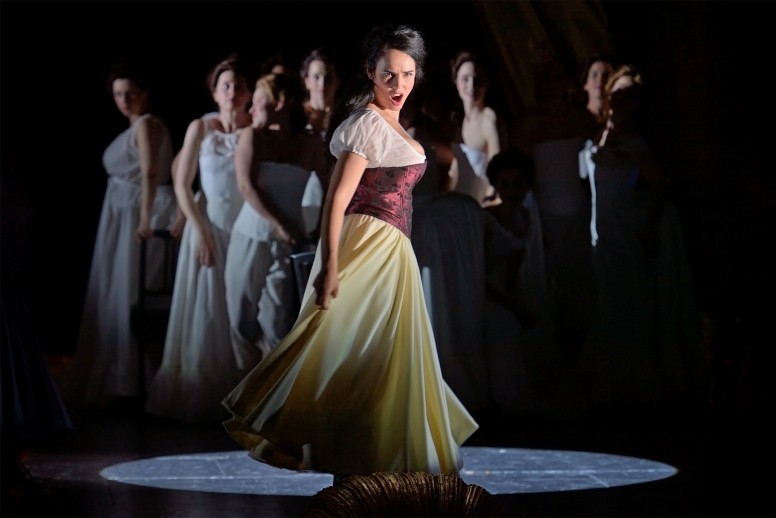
498 470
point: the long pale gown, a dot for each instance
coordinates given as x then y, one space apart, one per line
198 364
357 388
106 357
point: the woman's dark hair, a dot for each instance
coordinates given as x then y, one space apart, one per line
465 56
318 54
359 90
278 59
126 68
584 68
236 64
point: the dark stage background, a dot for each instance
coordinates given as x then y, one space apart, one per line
708 66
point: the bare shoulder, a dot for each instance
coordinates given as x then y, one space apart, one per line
196 129
152 126
248 135
489 115
153 120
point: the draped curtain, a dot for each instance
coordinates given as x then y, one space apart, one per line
529 35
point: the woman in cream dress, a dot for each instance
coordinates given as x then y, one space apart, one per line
199 363
138 200
355 387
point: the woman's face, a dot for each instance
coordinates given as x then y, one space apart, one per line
597 75
393 79
320 81
129 99
470 82
260 107
231 93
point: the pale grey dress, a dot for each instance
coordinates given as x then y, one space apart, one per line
105 363
198 365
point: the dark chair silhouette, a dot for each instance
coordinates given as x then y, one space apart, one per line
151 312
302 263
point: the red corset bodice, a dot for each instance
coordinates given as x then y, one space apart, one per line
386 194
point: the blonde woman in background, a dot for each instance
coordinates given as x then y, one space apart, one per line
274 162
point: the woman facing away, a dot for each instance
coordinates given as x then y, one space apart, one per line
355 387
138 199
199 362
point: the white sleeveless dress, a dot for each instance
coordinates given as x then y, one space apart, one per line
472 169
198 365
105 363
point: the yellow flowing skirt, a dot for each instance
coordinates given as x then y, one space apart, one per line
357 388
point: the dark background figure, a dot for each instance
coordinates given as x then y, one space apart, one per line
645 343
32 412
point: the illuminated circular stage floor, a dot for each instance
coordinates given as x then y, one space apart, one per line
498 470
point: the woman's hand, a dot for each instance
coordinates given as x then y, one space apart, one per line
176 227
289 233
326 287
206 250
144 231
283 235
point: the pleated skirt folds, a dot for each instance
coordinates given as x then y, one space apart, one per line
357 388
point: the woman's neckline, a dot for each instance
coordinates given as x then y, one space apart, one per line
395 131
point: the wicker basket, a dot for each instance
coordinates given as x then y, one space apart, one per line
403 494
